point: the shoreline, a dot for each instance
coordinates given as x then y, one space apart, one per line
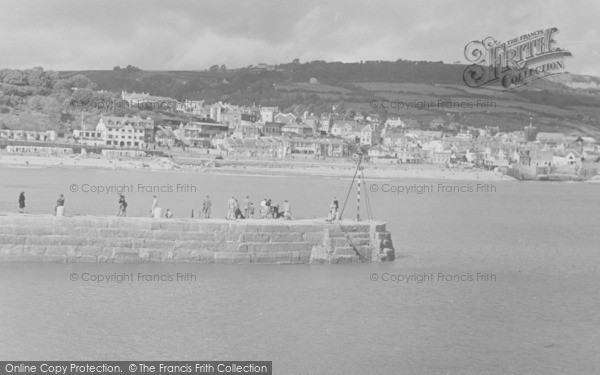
329 170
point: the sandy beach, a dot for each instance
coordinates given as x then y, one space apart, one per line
301 168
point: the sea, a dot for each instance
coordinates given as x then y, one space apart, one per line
489 278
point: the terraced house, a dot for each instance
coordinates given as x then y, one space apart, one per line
133 132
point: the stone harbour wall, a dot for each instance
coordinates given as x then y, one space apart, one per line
44 238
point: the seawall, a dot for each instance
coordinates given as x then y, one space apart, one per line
45 238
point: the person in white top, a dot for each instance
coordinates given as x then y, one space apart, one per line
154 203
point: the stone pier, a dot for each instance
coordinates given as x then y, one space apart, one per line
44 238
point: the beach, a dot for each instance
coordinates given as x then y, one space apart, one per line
343 168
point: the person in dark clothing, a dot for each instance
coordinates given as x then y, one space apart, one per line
122 206
22 201
60 202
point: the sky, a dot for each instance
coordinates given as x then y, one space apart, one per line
193 35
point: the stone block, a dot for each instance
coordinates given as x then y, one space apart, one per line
53 258
254 237
344 259
232 258
115 222
82 259
39 231
197 236
8 249
335 233
227 247
355 228
383 236
274 247
59 249
338 242
84 241
282 257
12 239
121 255
313 237
286 237
304 256
378 227
210 227
273 228
93 250
306 228
347 250
259 258
122 243
194 255
167 235
174 225
34 249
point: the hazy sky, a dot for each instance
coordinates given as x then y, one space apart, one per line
191 35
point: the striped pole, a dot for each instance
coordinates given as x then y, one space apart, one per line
358 195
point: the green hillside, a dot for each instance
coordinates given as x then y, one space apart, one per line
561 103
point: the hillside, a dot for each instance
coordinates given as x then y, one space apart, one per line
565 102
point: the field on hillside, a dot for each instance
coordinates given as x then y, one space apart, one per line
416 88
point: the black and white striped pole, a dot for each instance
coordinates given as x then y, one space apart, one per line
358 191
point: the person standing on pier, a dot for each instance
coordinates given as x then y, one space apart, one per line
287 210
122 206
246 205
251 210
60 202
206 207
237 212
333 210
154 203
231 208
263 208
22 202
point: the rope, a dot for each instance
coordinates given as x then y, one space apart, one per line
349 191
360 256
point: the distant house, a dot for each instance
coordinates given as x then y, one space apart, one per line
147 101
500 158
394 122
369 136
541 157
381 151
313 122
89 137
273 129
550 138
260 148
325 122
394 140
133 132
300 129
566 158
199 133
343 128
441 157
267 114
286 118
314 146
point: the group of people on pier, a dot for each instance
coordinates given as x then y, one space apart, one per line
235 211
267 210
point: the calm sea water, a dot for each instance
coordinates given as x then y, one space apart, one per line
541 242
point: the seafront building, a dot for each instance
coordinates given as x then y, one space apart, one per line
115 131
267 132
